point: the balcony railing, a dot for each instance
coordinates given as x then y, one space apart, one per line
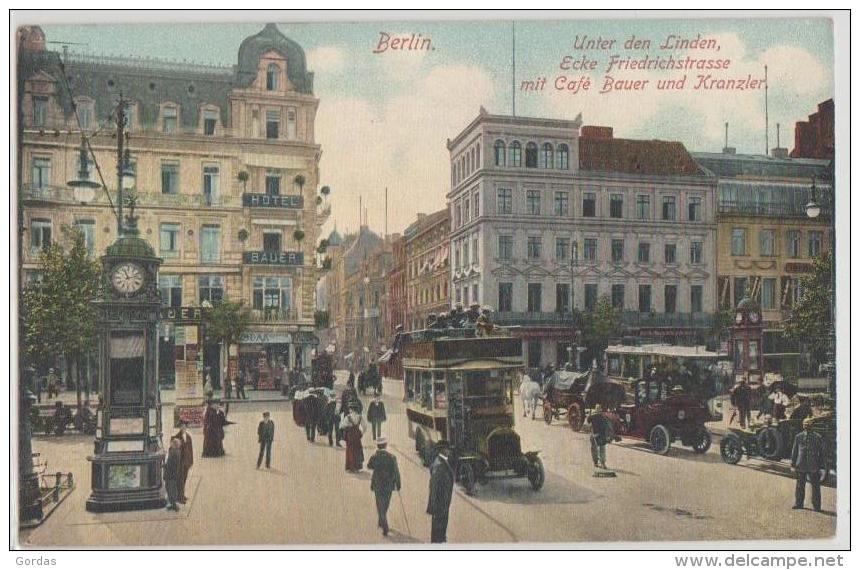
66 195
274 315
525 318
691 320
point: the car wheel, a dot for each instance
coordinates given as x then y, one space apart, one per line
466 477
547 413
701 440
769 443
574 416
731 449
536 473
660 440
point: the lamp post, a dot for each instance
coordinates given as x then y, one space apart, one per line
813 211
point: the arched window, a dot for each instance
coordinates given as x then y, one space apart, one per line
516 154
499 149
546 156
531 155
562 157
272 77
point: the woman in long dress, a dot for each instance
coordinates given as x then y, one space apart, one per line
213 432
353 426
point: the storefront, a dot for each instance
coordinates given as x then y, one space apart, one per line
269 355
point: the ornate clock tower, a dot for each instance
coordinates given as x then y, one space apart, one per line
128 456
746 340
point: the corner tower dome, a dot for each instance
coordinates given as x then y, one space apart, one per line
269 39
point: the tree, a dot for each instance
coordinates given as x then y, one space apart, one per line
810 321
226 321
58 315
600 325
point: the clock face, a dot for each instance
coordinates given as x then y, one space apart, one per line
753 317
739 317
127 278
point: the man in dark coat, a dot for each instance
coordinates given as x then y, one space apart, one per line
385 480
601 434
186 458
331 421
807 460
171 474
741 396
240 386
313 407
441 490
376 415
803 409
265 437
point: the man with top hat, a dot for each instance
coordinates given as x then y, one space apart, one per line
186 459
441 491
385 480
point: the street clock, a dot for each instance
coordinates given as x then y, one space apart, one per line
746 339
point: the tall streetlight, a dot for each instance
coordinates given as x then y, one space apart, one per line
813 211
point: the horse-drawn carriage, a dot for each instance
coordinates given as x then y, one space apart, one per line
460 388
57 418
570 395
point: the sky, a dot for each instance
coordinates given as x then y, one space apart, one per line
384 118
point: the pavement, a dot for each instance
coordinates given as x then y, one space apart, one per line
308 498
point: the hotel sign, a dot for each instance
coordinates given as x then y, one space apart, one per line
273 258
180 315
292 202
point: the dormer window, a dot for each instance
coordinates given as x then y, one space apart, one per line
168 120
85 110
272 77
40 111
210 119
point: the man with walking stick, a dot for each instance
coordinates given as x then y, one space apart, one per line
385 480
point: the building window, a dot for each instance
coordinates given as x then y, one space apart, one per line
210 244
272 294
741 288
272 241
506 248
739 241
670 298
458 214
534 354
561 203
533 202
465 245
499 152
210 288
40 234
534 297
211 184
546 156
170 289
562 157
643 207
170 178
169 117
128 114
85 111
589 202
616 206
88 230
475 293
589 249
476 204
169 240
272 73
669 251
515 154
40 172
767 242
562 298
291 123
40 111
644 253
467 209
618 296
531 155
793 244
505 202
617 250
696 298
768 293
210 119
273 182
669 208
506 297
475 249
815 243
696 252
456 257
644 298
562 246
590 296
273 123
534 247
694 209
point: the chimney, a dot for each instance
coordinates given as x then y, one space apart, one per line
778 151
595 132
726 148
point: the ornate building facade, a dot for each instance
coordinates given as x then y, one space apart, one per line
226 176
427 268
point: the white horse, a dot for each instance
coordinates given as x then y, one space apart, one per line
530 393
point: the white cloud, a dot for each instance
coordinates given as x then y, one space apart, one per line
399 143
326 59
